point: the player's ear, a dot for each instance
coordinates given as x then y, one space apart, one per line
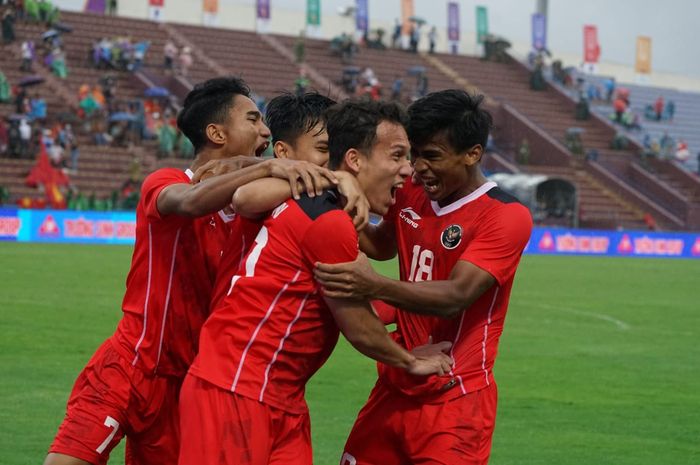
353 160
473 155
215 134
281 149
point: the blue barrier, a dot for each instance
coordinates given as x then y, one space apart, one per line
83 227
120 227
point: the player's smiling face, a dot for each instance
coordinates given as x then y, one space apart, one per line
246 132
311 146
386 168
444 173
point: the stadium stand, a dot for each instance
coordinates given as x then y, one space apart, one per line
616 190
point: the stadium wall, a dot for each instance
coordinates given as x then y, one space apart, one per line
86 227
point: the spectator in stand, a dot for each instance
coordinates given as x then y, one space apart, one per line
184 146
185 61
414 37
14 140
650 222
670 109
609 85
4 137
139 53
396 88
112 7
396 36
27 56
668 146
432 38
58 63
524 152
25 135
301 83
619 106
5 92
166 139
169 55
37 108
682 152
8 26
659 107
70 143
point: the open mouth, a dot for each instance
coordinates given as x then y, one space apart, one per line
394 189
431 185
261 149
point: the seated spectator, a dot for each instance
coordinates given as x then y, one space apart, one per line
650 222
670 110
27 56
396 88
682 153
301 83
37 108
609 85
25 134
169 55
619 105
166 139
5 93
140 49
58 63
668 146
659 107
8 26
4 137
185 61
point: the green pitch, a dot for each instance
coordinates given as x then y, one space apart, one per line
599 363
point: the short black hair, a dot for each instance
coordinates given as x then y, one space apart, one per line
353 124
289 115
456 113
209 102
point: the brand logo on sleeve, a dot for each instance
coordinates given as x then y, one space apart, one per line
451 236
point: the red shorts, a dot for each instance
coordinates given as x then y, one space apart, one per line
223 428
111 399
394 429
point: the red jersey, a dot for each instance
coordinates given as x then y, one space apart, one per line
169 285
272 330
488 228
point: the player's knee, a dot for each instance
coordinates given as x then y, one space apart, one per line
61 459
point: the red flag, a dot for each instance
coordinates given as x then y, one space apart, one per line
51 178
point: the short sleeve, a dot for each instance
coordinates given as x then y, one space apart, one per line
500 241
154 184
331 238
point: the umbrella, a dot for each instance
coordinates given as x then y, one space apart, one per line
30 81
351 70
62 27
121 116
16 117
49 34
156 92
418 20
416 70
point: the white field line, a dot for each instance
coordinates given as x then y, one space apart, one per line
599 316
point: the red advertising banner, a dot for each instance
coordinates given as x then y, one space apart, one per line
591 48
156 2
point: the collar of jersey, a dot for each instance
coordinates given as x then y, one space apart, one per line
484 188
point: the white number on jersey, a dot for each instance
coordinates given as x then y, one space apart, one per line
112 423
253 257
421 265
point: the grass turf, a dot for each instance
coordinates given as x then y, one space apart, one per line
599 362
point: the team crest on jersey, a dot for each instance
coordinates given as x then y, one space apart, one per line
451 236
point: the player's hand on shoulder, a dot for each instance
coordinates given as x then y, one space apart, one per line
356 204
313 178
349 280
222 166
